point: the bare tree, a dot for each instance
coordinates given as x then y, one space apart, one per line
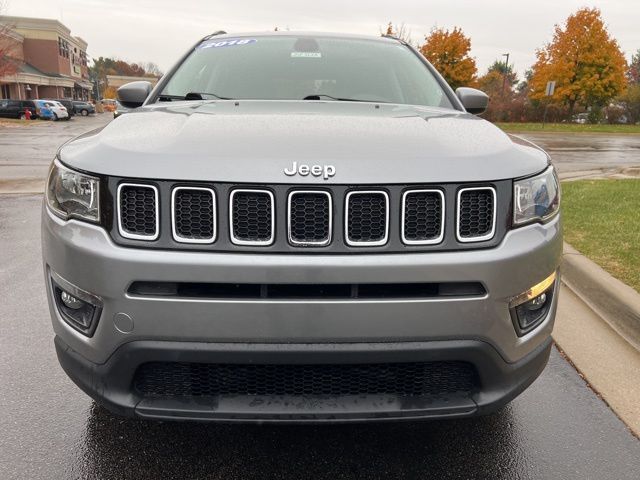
151 68
401 32
9 62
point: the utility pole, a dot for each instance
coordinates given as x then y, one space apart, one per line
506 71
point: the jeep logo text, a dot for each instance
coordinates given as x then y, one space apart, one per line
326 171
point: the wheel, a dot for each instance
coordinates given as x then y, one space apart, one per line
55 117
84 112
23 116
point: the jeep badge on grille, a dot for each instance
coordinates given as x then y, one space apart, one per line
326 171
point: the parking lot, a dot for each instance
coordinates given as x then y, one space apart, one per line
559 428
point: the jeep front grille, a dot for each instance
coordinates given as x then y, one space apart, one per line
367 218
138 211
309 217
476 214
252 217
282 218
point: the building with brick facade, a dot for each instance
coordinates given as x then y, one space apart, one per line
50 62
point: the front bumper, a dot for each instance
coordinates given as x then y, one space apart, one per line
110 383
479 329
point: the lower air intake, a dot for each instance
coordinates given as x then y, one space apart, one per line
169 379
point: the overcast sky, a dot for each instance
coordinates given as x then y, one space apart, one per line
161 30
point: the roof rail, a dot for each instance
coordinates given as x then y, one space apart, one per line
393 37
219 32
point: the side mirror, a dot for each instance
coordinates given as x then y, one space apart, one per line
473 100
133 94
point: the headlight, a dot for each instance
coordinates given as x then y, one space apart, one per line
72 194
536 199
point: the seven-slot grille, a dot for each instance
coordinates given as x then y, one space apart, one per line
193 211
367 218
422 217
138 211
476 217
309 217
252 217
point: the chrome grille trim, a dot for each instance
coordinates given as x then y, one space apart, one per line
480 238
262 243
375 243
298 243
135 236
174 231
431 241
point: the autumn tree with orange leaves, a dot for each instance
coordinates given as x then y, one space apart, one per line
584 60
448 51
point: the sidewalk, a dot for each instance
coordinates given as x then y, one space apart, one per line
598 328
607 362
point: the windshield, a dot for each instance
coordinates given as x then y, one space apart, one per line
312 68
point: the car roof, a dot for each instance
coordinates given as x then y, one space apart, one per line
287 33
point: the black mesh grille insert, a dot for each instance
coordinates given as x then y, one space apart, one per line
194 214
367 217
403 379
309 217
422 216
252 216
476 213
138 210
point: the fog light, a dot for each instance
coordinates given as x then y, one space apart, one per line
530 308
71 301
78 308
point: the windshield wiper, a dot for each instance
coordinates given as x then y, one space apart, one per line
201 95
320 96
190 96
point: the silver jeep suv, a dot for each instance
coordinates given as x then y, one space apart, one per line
301 228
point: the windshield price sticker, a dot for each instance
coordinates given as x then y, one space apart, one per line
306 55
227 43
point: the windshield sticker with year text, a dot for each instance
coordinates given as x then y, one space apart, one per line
232 42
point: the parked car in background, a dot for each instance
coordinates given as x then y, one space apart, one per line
83 108
66 103
51 110
580 118
109 104
16 108
120 110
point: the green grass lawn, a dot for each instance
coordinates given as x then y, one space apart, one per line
602 221
568 128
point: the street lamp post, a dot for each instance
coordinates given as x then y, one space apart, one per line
506 71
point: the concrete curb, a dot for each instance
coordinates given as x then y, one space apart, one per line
617 303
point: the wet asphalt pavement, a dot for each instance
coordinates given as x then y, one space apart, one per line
580 152
49 429
26 152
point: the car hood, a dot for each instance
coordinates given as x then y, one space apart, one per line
255 141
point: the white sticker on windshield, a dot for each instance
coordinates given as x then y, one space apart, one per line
306 55
227 43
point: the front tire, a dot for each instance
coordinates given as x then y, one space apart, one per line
22 116
84 113
55 117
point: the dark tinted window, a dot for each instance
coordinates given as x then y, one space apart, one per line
292 68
